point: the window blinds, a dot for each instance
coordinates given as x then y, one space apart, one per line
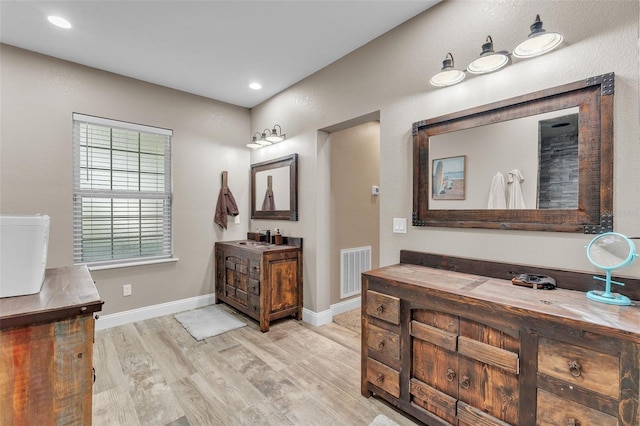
122 191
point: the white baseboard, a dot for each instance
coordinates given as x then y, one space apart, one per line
325 317
148 312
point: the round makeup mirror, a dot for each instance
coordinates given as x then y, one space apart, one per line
610 251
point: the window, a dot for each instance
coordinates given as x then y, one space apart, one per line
121 191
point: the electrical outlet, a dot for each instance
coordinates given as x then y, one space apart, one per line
126 290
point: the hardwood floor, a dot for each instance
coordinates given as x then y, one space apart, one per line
154 373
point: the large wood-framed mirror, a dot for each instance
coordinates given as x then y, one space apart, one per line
560 140
274 189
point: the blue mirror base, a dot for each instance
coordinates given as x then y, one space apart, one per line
610 298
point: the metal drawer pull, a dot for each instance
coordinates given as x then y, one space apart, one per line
573 422
380 309
575 368
380 378
465 382
381 345
451 375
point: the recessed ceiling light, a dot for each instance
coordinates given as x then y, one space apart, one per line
59 21
255 86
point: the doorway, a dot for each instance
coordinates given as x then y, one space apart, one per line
355 210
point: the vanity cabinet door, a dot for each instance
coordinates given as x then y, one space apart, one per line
463 371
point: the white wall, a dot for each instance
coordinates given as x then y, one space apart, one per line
39 95
391 75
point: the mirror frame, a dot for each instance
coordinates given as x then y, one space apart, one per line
594 215
290 161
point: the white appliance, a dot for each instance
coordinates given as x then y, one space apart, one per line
24 243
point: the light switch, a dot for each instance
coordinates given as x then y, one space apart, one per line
237 219
375 190
399 225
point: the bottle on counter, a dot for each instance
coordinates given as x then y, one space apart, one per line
277 238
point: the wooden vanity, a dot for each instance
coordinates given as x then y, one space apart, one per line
46 351
456 348
262 280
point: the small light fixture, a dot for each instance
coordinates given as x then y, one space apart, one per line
262 139
448 75
489 61
255 86
59 21
275 136
538 42
258 141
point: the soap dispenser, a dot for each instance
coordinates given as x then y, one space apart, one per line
277 238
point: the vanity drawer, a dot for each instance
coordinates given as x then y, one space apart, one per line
254 268
555 410
254 287
582 367
383 306
384 341
384 377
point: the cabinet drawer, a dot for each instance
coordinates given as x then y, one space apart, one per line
583 367
254 268
554 410
254 287
384 341
384 377
383 306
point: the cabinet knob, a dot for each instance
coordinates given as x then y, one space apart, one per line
381 345
465 382
380 309
575 368
451 375
380 378
573 422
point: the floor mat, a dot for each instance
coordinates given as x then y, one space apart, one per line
209 321
350 320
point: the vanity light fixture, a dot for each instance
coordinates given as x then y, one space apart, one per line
258 141
538 42
275 136
266 137
489 60
448 75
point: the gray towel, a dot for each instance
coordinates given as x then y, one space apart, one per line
226 206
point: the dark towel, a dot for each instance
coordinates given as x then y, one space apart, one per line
268 204
226 206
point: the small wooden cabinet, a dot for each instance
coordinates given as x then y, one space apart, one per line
46 351
262 280
452 348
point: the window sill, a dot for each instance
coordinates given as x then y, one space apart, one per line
129 264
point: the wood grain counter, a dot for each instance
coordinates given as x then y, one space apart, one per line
46 351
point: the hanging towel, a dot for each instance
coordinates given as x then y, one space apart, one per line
268 203
497 198
515 197
226 206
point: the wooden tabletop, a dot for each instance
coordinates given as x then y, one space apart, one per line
66 292
566 306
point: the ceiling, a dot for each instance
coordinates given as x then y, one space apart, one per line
208 48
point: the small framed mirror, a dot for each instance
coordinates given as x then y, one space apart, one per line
610 251
274 189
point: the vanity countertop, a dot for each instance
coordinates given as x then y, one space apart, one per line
263 246
568 307
66 292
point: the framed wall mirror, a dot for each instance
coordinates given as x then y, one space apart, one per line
274 189
539 162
